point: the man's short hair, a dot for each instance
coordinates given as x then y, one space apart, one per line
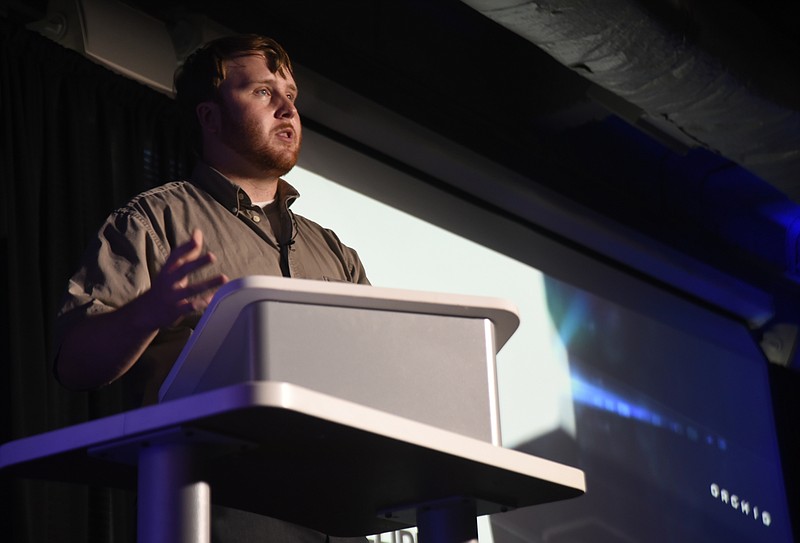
198 79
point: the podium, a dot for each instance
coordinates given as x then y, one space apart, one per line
349 409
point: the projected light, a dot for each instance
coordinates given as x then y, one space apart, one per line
599 397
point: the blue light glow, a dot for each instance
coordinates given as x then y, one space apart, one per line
597 397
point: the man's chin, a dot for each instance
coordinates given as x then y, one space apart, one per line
285 166
277 164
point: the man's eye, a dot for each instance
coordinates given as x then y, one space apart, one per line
263 92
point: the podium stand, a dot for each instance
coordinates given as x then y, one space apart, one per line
316 452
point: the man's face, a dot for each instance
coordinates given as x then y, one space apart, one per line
258 117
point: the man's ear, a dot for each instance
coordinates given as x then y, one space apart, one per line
208 115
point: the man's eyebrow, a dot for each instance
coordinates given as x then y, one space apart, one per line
291 86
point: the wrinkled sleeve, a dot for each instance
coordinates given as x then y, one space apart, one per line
118 266
357 271
351 262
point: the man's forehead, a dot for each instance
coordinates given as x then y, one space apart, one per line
245 61
250 68
251 60
240 58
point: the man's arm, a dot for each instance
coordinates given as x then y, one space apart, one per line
101 348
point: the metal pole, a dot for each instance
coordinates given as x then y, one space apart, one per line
174 507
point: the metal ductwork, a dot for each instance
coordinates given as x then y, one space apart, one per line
708 73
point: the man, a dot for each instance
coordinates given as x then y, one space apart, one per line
157 261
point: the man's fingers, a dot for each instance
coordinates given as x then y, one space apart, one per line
180 270
171 290
183 301
190 250
197 236
195 289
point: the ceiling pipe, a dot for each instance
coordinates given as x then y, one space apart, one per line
705 69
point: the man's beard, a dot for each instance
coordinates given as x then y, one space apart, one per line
247 139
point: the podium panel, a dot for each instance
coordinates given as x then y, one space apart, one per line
424 356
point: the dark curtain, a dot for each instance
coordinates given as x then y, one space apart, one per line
77 140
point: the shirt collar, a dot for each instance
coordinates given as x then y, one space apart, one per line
231 195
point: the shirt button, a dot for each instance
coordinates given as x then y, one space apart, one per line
234 209
241 196
256 218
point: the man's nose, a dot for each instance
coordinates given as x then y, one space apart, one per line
286 108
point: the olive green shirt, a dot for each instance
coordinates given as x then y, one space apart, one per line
136 239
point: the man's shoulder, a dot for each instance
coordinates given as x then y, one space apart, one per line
161 192
308 223
309 226
161 196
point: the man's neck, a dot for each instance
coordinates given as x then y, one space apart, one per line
260 186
